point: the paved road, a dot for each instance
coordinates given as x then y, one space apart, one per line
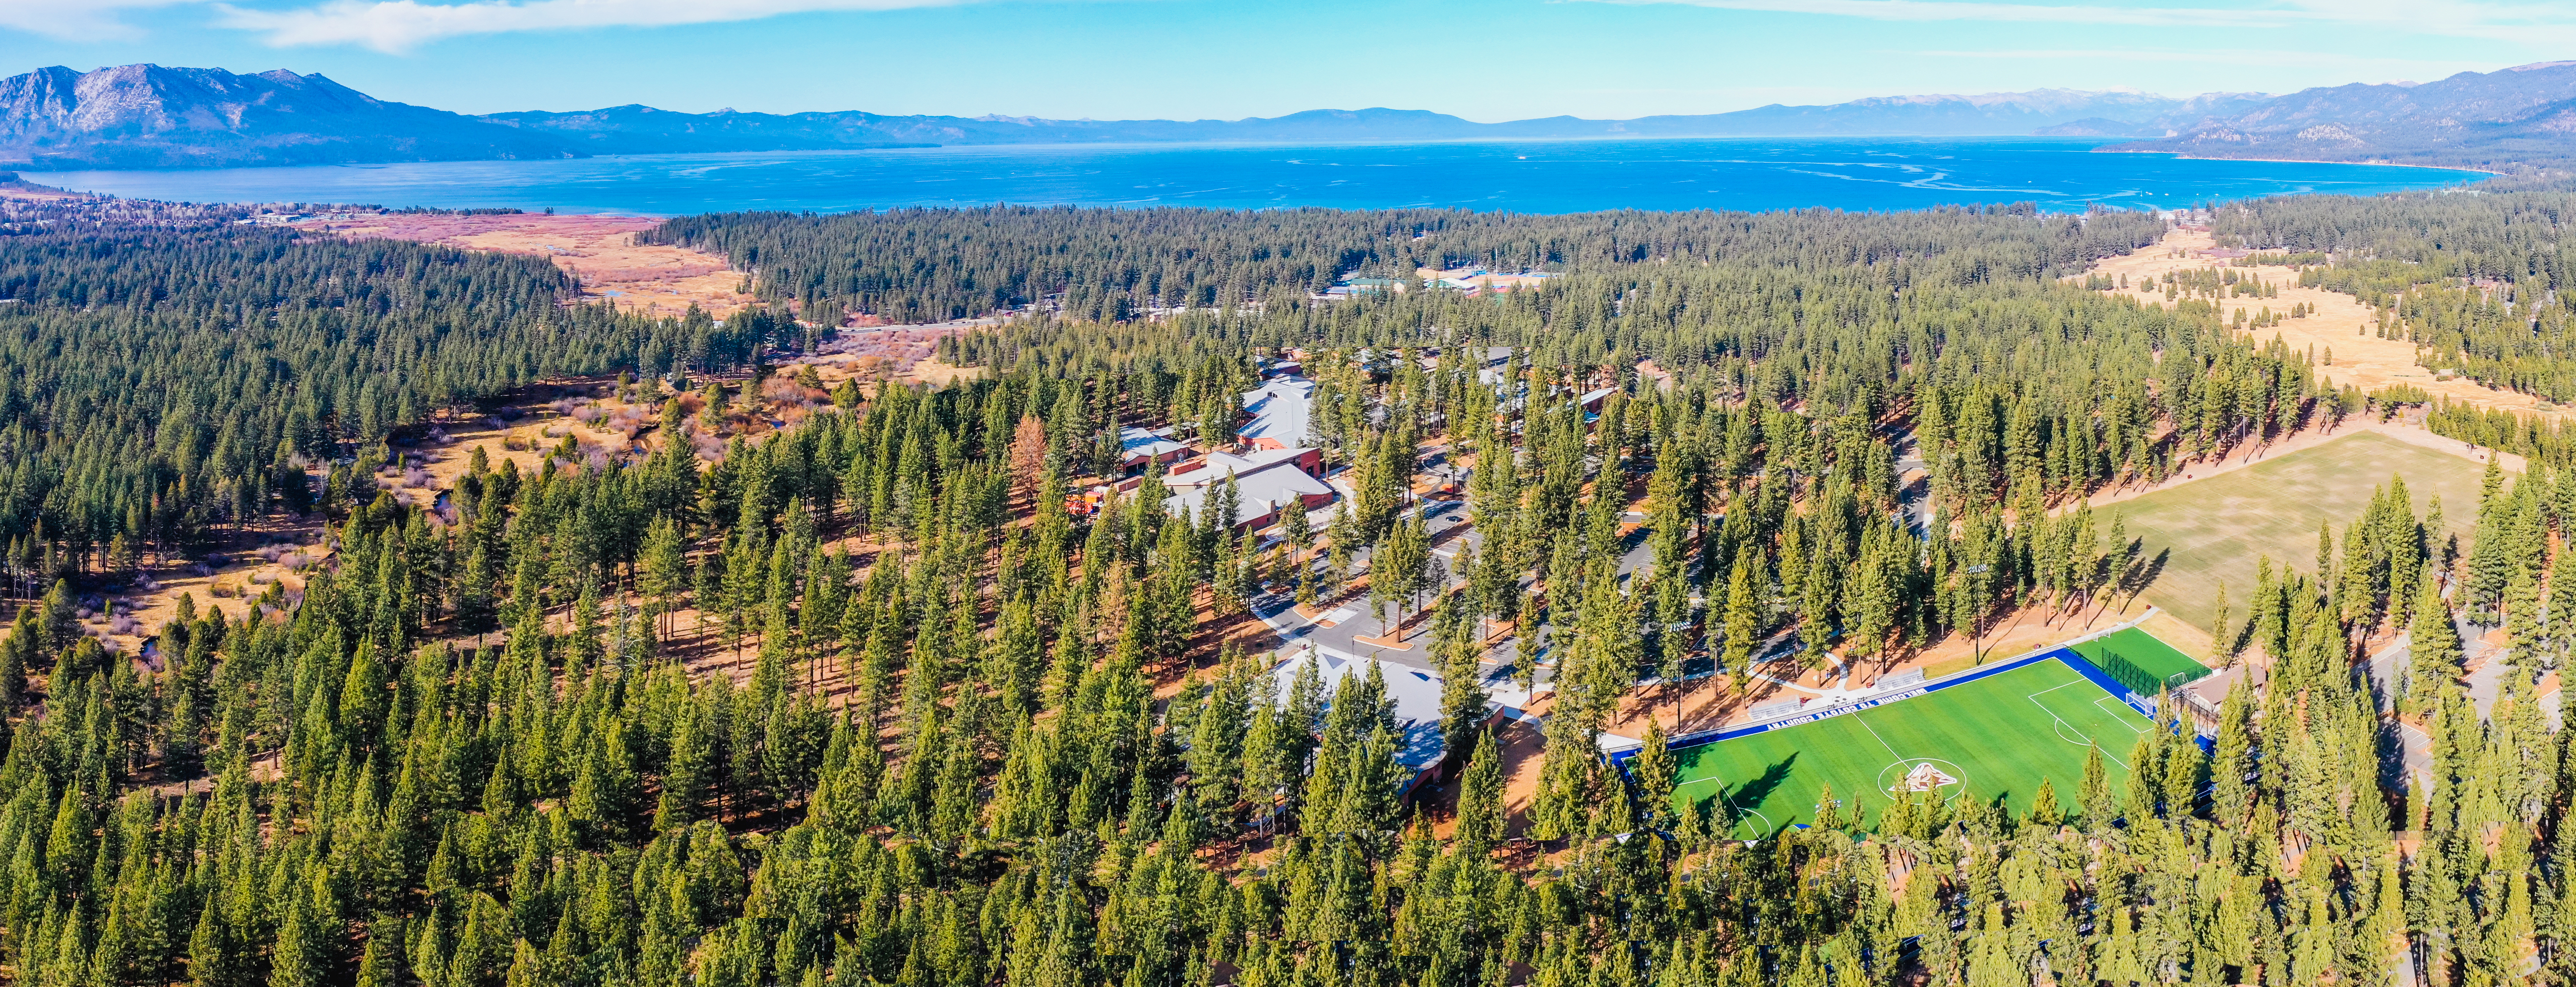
1914 500
2386 669
1351 619
2391 664
2418 752
2389 667
1451 531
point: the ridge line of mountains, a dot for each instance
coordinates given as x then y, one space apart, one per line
149 116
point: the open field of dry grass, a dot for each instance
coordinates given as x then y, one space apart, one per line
2214 528
600 250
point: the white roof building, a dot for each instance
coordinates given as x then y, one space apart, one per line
1213 467
1416 694
1155 444
1281 409
1264 490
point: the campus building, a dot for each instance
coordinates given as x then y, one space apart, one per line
1278 413
1415 693
1266 480
1140 448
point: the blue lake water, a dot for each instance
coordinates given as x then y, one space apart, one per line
1522 176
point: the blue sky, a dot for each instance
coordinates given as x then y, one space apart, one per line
1481 59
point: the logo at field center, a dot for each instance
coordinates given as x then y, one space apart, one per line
1929 775
1923 777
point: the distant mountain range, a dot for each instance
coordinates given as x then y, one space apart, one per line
2521 114
147 116
645 130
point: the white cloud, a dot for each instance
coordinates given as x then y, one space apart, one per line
80 20
2531 24
398 25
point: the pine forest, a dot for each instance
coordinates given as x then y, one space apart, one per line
831 683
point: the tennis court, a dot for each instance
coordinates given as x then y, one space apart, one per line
1995 736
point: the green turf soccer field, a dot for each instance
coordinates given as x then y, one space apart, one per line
2139 661
1996 736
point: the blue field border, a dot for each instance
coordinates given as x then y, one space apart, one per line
2100 679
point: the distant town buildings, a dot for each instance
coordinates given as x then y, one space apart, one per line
1353 287
1477 280
1471 280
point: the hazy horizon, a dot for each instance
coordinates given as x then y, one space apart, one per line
1195 59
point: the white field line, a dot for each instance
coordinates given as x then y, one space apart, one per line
2061 721
1882 741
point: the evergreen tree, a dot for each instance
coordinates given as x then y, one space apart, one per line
1480 800
1654 771
2095 794
1744 606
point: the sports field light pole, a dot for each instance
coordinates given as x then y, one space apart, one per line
1977 614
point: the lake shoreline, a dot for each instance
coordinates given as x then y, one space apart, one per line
2059 175
2178 155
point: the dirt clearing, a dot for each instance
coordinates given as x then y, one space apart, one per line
2338 325
600 250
